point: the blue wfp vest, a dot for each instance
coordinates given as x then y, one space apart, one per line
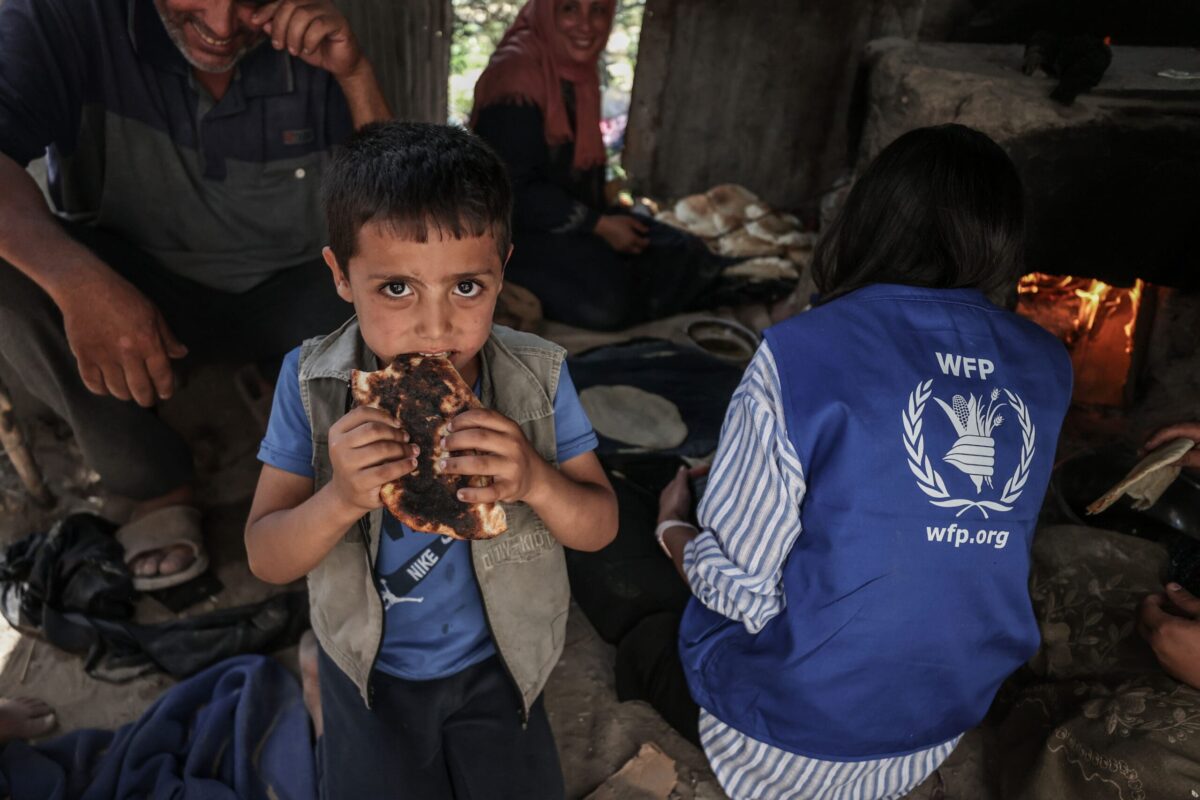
926 422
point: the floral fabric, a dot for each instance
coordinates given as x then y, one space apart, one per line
1092 715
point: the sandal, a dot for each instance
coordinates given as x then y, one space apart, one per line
158 530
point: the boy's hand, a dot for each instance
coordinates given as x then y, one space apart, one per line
504 455
368 449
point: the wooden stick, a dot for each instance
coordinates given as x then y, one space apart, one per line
19 453
28 657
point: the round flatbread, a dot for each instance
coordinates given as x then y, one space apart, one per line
425 392
1149 478
634 416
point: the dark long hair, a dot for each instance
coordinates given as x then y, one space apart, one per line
940 207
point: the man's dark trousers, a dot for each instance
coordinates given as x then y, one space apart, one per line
135 453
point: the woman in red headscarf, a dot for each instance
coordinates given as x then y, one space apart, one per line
538 105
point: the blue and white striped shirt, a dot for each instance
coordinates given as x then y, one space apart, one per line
750 518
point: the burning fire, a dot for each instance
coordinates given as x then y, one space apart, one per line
1097 323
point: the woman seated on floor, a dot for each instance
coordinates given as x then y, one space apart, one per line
838 644
538 105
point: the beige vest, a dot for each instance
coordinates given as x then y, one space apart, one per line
522 574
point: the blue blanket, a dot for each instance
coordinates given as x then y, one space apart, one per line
239 729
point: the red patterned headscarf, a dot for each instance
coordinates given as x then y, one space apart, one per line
528 67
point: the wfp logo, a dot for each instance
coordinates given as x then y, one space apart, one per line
975 451
974 420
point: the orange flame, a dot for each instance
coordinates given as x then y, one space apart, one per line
1095 320
1089 296
1092 297
1135 303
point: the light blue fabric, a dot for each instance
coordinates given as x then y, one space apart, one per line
861 581
434 624
751 770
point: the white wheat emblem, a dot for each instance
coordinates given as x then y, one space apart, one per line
974 452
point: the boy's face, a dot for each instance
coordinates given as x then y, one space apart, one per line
422 297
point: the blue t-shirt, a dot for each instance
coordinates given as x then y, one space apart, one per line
434 623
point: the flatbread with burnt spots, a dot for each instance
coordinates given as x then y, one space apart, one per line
425 392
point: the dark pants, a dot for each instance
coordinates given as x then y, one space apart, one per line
634 597
582 281
455 738
649 669
135 453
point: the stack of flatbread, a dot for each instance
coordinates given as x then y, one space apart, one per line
734 222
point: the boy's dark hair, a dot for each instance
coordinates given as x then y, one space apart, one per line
413 176
939 207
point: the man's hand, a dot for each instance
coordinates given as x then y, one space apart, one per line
1184 430
624 233
502 454
121 342
313 31
1168 621
367 449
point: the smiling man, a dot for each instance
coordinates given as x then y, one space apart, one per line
208 50
185 142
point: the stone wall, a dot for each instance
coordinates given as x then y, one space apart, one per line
1109 180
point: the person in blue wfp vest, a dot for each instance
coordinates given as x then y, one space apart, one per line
862 555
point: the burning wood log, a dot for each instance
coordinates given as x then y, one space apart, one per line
19 453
